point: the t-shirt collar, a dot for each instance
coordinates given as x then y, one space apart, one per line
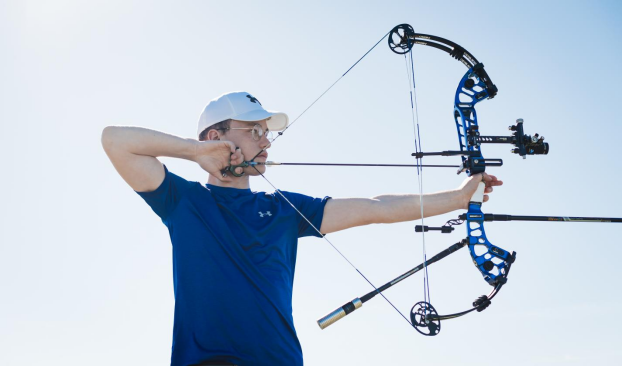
229 191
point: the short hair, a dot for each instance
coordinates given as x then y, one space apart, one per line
222 125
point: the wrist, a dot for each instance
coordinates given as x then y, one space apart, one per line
462 198
201 148
196 149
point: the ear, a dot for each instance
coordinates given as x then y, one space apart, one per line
213 135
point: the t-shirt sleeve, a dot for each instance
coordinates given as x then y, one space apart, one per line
165 198
312 208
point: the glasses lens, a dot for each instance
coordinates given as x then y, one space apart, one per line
269 136
258 133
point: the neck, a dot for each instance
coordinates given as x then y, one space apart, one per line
235 183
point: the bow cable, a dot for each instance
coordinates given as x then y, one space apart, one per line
410 75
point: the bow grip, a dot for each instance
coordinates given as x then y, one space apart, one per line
339 313
478 196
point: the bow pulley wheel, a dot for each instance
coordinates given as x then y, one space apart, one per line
422 317
401 39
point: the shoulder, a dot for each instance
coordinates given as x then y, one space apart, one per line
172 182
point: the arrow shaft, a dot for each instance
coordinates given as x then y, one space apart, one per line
269 163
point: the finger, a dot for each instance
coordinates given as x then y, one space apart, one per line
234 159
232 146
488 189
239 170
486 198
237 157
491 180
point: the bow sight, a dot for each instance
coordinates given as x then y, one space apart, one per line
473 162
525 144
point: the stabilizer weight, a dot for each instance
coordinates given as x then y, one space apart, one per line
339 313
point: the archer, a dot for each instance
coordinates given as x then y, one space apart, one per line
234 250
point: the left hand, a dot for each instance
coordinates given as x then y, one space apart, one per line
469 186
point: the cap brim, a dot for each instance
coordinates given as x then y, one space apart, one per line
277 122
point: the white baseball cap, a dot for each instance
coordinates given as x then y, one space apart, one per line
241 106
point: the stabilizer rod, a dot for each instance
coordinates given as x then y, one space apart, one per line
356 303
535 218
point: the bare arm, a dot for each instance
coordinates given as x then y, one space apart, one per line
133 152
341 214
346 213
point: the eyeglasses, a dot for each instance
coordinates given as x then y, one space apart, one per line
257 132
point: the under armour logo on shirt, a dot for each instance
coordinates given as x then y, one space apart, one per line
253 99
266 213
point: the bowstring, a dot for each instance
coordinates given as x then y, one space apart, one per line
280 133
298 211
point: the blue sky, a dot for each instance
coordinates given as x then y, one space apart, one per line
85 266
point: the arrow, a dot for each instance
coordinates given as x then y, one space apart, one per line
271 163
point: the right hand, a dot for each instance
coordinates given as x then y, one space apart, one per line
215 155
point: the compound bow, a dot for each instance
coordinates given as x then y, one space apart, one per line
492 261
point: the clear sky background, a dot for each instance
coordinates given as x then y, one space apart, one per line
85 265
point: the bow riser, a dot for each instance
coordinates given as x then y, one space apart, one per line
471 90
490 260
493 261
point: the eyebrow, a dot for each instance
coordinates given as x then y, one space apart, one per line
249 123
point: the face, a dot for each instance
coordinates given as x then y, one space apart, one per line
241 135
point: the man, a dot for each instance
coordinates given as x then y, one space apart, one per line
234 250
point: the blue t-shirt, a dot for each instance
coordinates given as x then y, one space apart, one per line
234 256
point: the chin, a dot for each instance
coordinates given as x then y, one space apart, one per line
253 172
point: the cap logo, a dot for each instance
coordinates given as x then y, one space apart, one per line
253 99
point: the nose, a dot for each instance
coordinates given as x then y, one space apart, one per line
265 142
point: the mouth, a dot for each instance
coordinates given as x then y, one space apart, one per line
263 155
